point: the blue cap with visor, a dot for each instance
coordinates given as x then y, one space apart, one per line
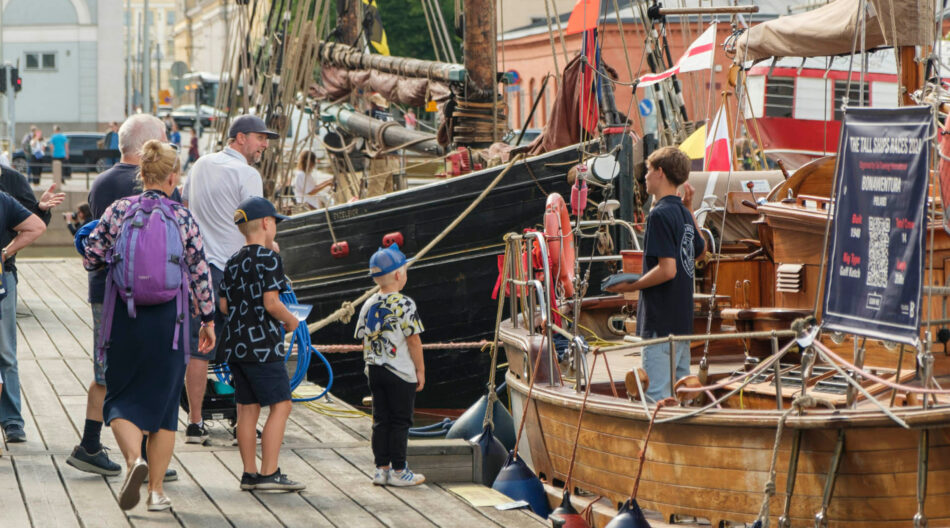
386 260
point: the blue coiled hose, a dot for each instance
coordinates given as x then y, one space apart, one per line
300 337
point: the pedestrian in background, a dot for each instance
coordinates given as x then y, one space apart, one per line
38 151
215 187
25 145
145 365
111 141
59 150
310 188
193 153
175 137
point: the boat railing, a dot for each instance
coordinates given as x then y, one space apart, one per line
519 274
629 226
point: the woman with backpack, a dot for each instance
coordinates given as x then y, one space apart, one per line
154 252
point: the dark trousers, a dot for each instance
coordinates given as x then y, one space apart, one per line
393 402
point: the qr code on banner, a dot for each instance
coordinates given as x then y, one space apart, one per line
879 233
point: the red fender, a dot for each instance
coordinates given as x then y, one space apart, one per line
557 233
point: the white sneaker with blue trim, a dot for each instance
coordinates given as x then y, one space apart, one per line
381 478
405 478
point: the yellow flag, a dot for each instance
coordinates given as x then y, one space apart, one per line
695 145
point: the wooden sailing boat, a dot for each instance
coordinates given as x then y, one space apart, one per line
326 252
810 429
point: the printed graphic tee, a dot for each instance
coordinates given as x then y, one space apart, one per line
667 308
251 335
386 320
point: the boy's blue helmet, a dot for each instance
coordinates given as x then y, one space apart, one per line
386 260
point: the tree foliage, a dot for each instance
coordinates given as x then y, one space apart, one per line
406 29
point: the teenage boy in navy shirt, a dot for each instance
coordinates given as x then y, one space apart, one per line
671 245
253 344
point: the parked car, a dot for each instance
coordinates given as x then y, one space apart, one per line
164 110
84 154
184 116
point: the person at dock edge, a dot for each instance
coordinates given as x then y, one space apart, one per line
392 349
215 187
672 243
15 185
117 182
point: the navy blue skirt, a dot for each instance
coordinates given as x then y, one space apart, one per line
144 376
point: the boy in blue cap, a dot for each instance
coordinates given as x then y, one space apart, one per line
253 345
389 327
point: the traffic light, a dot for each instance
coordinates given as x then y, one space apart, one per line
15 79
3 79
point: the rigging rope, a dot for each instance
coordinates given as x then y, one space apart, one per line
346 310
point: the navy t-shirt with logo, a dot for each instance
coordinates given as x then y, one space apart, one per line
667 308
251 335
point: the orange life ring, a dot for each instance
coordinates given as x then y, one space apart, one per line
560 239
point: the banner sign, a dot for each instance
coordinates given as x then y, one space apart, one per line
875 263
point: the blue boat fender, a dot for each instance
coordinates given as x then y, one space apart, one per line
471 421
493 455
517 481
629 516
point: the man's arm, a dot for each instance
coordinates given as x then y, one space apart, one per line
27 231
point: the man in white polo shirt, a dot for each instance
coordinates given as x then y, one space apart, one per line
215 186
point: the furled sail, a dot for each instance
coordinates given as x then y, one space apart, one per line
830 30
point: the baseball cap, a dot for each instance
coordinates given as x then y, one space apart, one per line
256 207
386 260
247 124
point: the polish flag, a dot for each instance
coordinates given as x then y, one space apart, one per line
698 56
718 153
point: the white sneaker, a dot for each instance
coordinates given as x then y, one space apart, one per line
381 478
405 478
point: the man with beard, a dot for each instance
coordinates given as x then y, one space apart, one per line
215 186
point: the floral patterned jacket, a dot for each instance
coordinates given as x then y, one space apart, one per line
102 239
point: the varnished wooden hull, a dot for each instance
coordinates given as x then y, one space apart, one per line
716 465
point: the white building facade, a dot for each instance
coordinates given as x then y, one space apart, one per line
71 60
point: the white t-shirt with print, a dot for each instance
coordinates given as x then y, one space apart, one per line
386 320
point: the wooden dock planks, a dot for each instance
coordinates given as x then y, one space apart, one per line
329 453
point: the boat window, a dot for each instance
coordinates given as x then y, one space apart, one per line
884 94
854 96
812 99
778 96
756 87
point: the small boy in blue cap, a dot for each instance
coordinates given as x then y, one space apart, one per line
253 345
389 327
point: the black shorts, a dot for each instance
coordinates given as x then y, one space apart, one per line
260 383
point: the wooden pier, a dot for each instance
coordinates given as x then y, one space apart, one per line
326 447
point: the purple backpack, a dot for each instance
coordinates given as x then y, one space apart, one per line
147 265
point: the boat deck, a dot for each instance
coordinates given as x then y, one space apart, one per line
328 452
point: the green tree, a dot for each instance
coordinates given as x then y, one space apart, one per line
406 28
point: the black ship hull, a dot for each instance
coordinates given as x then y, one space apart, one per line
452 285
